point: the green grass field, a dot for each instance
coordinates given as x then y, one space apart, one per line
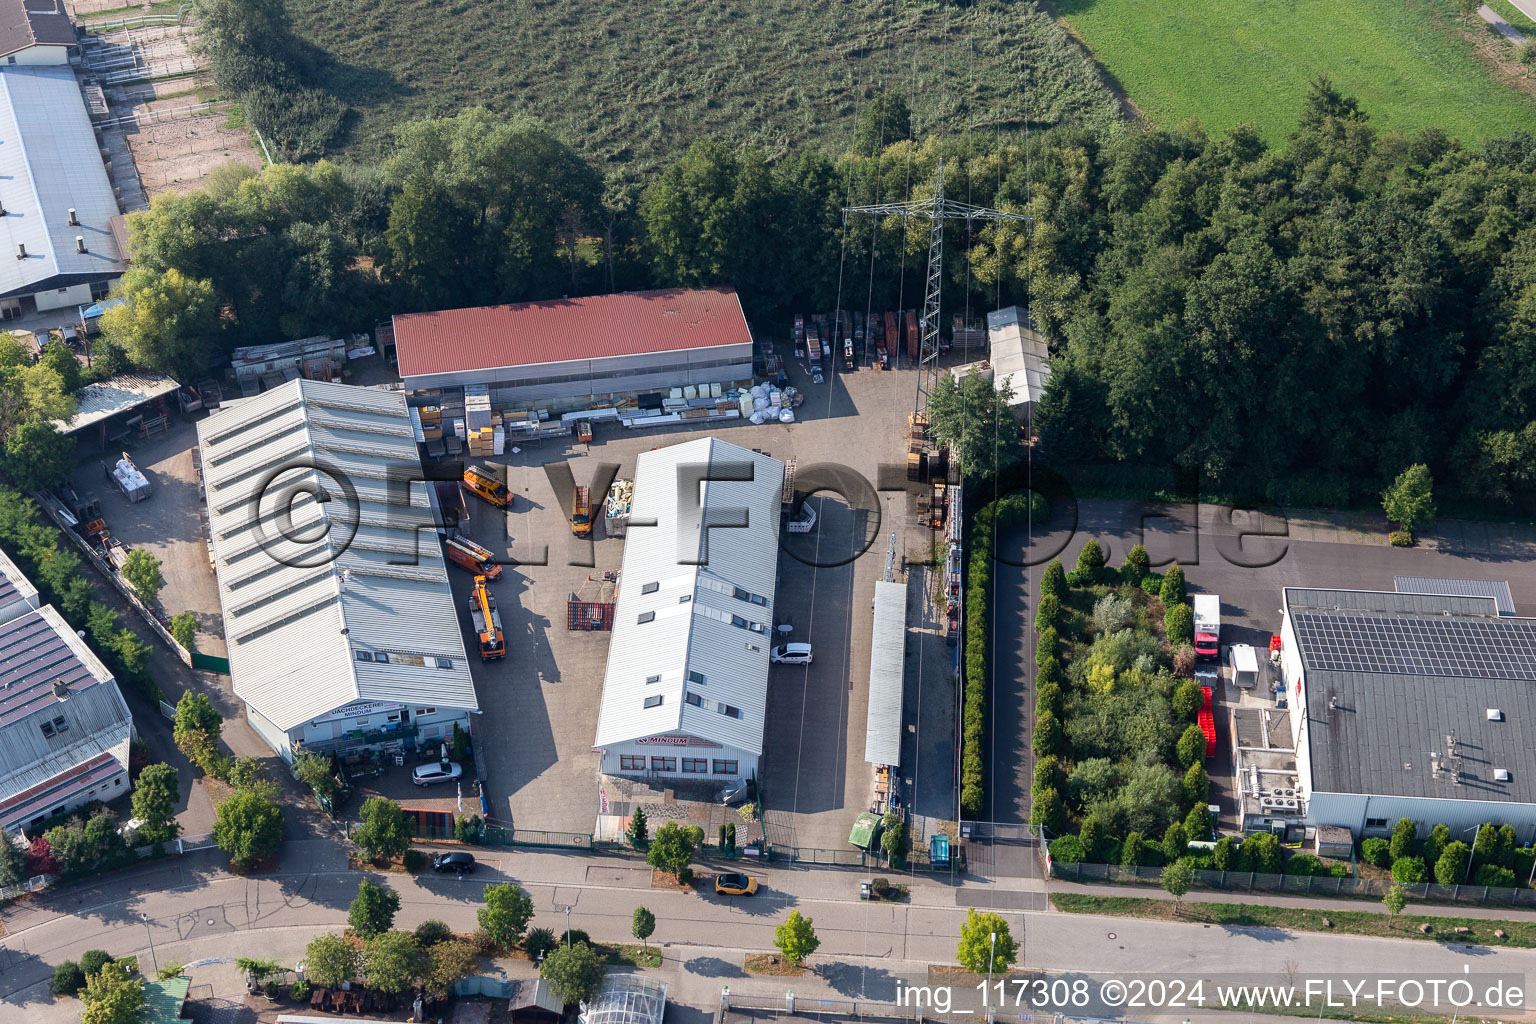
1226 62
635 81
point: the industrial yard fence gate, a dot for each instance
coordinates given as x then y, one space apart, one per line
1248 881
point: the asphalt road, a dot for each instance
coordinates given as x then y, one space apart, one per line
193 912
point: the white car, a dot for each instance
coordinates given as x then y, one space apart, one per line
791 654
437 771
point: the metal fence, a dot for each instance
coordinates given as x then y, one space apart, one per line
502 836
1300 885
36 883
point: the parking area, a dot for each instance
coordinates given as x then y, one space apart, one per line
539 704
168 524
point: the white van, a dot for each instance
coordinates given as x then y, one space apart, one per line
1245 665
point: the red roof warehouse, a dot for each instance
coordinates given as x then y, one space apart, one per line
602 344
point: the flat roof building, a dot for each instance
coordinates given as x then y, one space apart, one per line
56 228
685 692
35 32
338 614
1410 706
1496 589
64 727
572 351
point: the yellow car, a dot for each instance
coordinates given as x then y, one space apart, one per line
735 885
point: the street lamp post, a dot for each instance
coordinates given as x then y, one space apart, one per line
1472 853
147 934
568 909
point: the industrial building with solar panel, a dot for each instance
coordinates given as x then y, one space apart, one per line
1400 705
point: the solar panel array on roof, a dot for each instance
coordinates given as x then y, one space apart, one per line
1483 648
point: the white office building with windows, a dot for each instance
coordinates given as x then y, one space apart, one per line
685 693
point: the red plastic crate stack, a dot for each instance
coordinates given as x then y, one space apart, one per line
1207 722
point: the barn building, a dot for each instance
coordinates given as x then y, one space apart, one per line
685 692
573 353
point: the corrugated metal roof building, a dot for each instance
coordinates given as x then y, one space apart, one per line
17 594
64 728
337 609
887 671
686 688
579 349
1496 589
50 169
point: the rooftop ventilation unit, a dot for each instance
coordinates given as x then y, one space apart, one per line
1501 774
1495 715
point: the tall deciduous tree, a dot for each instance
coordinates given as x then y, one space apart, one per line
111 996
796 938
385 830
142 571
373 909
249 826
671 850
506 913
330 960
974 419
168 321
573 972
1410 501
977 951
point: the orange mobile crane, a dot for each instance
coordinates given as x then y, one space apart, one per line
482 609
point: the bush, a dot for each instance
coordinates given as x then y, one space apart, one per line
1091 558
1408 870
1130 850
1197 824
1152 584
1451 868
1179 621
432 931
1403 834
1303 865
93 960
1047 700
1197 785
1435 843
1053 581
1225 854
1047 773
1377 851
1047 737
1137 565
299 991
539 942
1112 613
1187 699
413 860
1494 876
1400 539
1091 834
1048 646
1191 747
1175 843
1183 661
68 979
1048 612
1068 850
1172 590
1047 810
1338 870
1261 853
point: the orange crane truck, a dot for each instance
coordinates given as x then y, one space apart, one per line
482 609
484 484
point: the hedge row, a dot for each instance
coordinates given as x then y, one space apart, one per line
978 587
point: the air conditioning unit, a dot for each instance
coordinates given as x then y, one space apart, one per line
1267 801
1289 803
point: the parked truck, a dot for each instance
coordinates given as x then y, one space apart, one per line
485 485
581 511
473 557
1207 626
487 619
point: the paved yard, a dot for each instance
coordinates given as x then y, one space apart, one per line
168 523
539 704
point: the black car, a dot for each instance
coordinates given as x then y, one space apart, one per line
463 863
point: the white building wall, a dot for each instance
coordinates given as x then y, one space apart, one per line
645 371
616 759
275 737
59 298
1462 817
40 55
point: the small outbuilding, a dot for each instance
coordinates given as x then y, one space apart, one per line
627 999
533 1002
1020 359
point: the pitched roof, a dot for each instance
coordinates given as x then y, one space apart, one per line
107 398
594 327
682 578
49 165
358 571
1390 676
25 23
1019 355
